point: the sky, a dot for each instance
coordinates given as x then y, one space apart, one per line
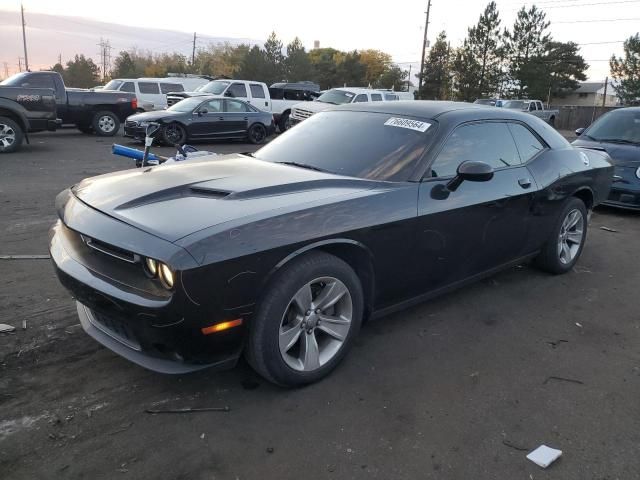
599 26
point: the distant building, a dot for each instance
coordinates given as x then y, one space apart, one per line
589 94
316 44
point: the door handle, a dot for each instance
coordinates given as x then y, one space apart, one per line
220 118
524 182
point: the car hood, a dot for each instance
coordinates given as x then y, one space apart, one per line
154 116
314 107
173 201
621 155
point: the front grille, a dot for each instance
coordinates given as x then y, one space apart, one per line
173 100
115 328
130 124
301 114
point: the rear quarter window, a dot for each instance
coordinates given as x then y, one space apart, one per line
148 87
171 87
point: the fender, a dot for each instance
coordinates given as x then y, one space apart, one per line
315 245
18 110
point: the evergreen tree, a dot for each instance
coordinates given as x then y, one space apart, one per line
528 40
81 72
324 67
436 80
484 42
350 70
558 71
275 67
465 68
254 66
626 70
297 64
125 67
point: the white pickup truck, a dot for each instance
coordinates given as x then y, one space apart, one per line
534 107
339 96
257 94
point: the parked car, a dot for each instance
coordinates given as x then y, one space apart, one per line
491 102
618 133
91 111
534 107
255 93
355 213
337 96
24 110
154 91
285 95
204 118
391 95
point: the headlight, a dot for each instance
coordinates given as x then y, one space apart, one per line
166 276
152 266
638 172
143 124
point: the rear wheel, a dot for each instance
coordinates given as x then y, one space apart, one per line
284 123
257 133
564 247
105 123
307 320
174 134
11 135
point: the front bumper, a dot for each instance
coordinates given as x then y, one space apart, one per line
625 191
161 331
134 131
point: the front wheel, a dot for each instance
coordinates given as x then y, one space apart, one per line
564 247
307 320
257 133
11 135
284 123
105 123
174 134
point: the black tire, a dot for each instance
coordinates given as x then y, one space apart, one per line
263 350
11 135
88 129
283 123
257 133
174 134
549 259
105 123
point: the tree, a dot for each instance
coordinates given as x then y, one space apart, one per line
436 78
297 66
559 70
324 67
350 70
376 64
58 68
464 70
484 42
81 72
275 67
527 40
221 59
254 65
626 71
124 66
393 77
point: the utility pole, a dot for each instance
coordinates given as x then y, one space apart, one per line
19 64
60 58
409 78
105 56
24 39
6 69
604 97
193 52
424 47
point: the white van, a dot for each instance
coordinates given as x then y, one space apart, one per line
153 91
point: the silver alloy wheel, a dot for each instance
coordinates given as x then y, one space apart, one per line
106 124
315 324
571 236
7 135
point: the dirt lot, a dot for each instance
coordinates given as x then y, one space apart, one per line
458 388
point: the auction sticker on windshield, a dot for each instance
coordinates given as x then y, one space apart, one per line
407 123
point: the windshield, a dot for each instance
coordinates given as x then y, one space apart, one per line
14 80
337 97
368 145
516 104
620 126
215 88
113 85
186 105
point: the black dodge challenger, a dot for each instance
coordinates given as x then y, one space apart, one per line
354 213
204 118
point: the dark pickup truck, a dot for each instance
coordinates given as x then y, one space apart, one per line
99 112
23 111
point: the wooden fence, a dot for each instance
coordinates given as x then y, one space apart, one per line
572 117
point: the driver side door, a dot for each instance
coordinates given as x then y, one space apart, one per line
207 120
480 225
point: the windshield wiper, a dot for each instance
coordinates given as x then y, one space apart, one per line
618 140
304 165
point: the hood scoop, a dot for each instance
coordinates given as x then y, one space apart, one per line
174 193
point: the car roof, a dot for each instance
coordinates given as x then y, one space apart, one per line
357 89
416 108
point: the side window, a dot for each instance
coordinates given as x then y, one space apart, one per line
532 107
293 95
256 90
213 106
128 87
237 90
539 104
148 87
527 143
390 97
39 81
376 97
361 98
234 106
171 87
276 93
489 142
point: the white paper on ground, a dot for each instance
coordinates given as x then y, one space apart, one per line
6 328
544 456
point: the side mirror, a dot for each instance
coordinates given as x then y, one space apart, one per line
469 171
202 111
579 131
228 94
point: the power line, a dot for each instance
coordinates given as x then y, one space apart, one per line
599 20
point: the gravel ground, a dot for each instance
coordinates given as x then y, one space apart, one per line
458 388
